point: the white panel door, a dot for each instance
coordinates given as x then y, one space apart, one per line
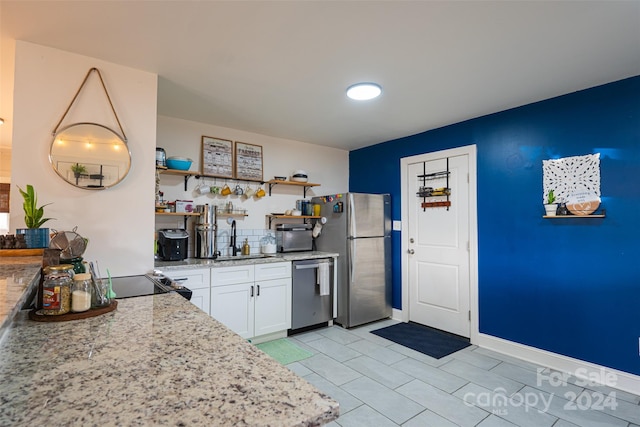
272 306
232 305
438 260
200 298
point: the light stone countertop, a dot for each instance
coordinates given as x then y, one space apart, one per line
156 360
18 275
240 260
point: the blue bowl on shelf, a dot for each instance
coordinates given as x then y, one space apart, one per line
179 163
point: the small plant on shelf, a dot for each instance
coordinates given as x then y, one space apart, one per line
550 207
78 170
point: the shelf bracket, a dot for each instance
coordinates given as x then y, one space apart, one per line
186 179
271 184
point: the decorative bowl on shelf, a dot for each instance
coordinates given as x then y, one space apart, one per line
299 176
179 163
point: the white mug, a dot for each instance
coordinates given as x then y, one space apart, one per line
203 189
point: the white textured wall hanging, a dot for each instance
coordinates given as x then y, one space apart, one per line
574 181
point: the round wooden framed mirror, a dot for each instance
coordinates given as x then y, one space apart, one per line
90 156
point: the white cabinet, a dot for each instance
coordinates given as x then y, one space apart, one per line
199 281
252 300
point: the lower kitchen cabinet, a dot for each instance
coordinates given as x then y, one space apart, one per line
252 300
198 281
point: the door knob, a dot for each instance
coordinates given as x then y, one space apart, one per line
411 251
411 240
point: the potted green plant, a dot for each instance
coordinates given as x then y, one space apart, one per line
78 170
35 236
550 207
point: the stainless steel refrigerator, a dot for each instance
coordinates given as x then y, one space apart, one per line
358 227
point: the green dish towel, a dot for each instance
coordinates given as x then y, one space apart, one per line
284 351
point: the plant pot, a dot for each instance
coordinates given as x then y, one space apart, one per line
35 237
550 209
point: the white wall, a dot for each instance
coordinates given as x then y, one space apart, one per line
119 221
328 167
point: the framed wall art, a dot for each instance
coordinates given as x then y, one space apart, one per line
575 182
217 157
248 159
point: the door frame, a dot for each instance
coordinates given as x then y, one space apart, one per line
469 150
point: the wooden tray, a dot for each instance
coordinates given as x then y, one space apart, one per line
21 252
39 317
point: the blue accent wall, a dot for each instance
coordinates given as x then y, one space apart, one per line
569 286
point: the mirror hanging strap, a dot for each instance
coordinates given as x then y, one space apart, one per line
104 87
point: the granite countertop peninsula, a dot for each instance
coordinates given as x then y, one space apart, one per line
17 276
240 260
155 360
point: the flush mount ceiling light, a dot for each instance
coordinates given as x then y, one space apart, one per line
364 91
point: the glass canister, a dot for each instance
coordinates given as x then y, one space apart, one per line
57 269
81 292
100 295
56 294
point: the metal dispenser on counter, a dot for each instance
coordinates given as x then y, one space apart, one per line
206 231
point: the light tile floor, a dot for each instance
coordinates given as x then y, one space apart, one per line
380 383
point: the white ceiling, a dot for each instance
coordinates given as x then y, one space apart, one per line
281 68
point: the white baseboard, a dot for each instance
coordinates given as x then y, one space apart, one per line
586 370
396 314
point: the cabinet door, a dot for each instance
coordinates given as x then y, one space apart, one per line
276 270
272 306
232 305
200 298
232 275
192 278
196 279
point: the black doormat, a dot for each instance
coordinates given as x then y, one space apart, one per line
426 340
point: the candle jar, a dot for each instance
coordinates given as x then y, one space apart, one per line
81 293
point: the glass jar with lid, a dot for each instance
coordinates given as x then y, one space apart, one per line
56 294
59 269
81 292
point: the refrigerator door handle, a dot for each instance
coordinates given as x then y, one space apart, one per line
352 243
352 217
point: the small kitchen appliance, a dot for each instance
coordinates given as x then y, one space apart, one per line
205 231
173 244
293 237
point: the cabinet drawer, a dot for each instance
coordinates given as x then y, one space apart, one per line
221 276
190 278
277 270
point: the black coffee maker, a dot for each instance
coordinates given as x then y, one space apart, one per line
173 244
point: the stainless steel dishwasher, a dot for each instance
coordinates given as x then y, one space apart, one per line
312 292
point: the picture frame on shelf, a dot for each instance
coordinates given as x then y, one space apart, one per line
248 162
217 157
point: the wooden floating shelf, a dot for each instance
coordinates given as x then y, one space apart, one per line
295 216
176 171
302 184
306 185
436 204
178 213
21 252
573 216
